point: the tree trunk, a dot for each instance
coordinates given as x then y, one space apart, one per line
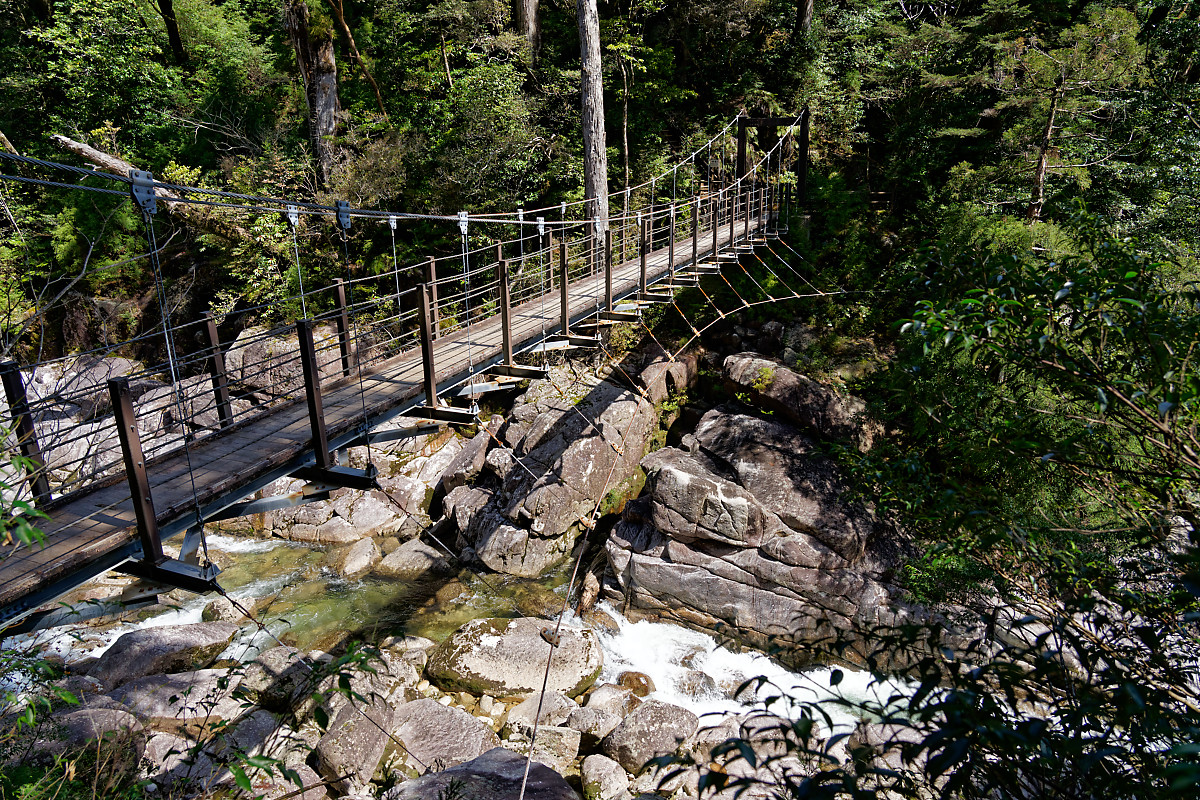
595 158
318 67
446 64
529 26
1039 173
167 10
804 16
362 65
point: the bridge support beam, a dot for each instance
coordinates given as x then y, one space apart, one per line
695 231
608 269
216 367
343 324
427 320
312 389
562 287
505 308
671 246
431 282
135 471
643 246
18 407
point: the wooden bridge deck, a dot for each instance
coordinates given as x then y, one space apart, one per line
94 530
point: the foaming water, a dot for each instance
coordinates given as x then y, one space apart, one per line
690 669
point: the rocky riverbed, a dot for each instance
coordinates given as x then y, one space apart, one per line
455 572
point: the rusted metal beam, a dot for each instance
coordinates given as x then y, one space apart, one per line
431 281
343 324
312 390
23 427
505 308
135 471
562 287
643 247
216 367
427 318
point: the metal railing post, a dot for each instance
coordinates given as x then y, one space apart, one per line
608 270
343 324
716 224
426 317
505 308
695 231
135 470
220 378
23 427
643 246
431 282
312 390
562 286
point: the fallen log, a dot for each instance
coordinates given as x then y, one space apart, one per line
201 217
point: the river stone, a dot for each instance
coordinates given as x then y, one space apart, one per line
689 502
190 702
593 724
165 649
786 472
434 734
613 699
176 763
637 682
653 729
802 401
266 785
556 708
351 749
603 778
411 560
470 460
556 746
118 732
495 775
221 609
357 558
508 657
277 678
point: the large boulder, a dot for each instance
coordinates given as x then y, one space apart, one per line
653 729
413 559
603 778
438 735
278 678
555 708
498 774
350 750
165 649
785 471
356 558
188 702
508 657
815 407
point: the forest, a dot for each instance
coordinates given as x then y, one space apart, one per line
1005 195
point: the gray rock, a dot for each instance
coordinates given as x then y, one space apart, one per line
508 657
221 609
470 460
115 732
500 461
438 735
593 724
182 701
350 751
803 401
272 787
495 775
277 678
613 699
555 709
689 503
176 763
413 559
786 473
603 779
653 729
151 651
556 746
356 558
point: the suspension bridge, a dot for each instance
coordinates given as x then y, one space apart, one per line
162 451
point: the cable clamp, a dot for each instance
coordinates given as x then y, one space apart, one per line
462 222
141 190
553 639
343 214
293 216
